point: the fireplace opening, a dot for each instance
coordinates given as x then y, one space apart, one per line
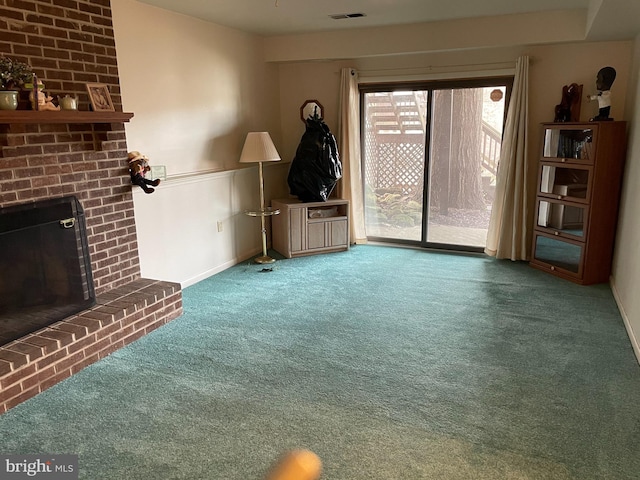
45 268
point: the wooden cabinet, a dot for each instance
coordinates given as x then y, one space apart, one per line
579 180
310 228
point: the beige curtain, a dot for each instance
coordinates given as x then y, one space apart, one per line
350 186
510 223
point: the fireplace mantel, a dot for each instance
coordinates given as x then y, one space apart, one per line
63 116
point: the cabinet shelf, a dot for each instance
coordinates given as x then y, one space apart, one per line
327 219
62 116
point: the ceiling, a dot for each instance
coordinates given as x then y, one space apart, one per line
606 19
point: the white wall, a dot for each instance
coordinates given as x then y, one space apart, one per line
626 264
194 226
196 89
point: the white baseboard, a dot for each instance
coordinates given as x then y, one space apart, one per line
634 340
219 268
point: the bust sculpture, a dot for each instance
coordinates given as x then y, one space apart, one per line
604 80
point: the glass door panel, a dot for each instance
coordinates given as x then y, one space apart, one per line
558 253
465 145
562 218
395 127
565 182
576 144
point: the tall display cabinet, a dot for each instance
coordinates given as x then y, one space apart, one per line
579 181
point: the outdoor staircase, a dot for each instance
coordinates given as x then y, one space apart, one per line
397 113
401 117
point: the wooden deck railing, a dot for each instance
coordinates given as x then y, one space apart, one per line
491 143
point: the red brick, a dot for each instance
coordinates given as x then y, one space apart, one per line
82 344
134 336
109 330
69 361
97 347
63 338
17 376
105 318
85 362
32 351
50 10
5 368
51 359
23 397
91 324
78 331
14 15
22 5
10 392
48 345
153 326
16 360
36 379
123 332
109 349
57 378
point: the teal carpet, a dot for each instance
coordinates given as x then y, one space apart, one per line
389 363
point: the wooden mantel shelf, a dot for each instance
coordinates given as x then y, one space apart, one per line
63 116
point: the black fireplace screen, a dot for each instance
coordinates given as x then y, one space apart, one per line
45 268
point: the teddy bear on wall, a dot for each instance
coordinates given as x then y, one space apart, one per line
138 167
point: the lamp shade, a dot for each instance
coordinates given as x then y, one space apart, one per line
258 147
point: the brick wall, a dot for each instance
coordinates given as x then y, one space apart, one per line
70 43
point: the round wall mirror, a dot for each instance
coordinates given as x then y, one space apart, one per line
311 108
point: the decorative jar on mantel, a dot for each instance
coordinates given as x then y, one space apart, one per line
8 99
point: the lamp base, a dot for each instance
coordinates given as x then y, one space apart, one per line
264 259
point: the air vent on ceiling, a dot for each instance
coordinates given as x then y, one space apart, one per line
341 16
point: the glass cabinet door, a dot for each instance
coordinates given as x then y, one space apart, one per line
566 144
562 218
565 182
558 253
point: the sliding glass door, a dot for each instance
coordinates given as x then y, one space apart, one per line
430 156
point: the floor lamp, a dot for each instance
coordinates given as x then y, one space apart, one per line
258 148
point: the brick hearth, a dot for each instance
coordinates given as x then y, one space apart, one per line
38 361
70 43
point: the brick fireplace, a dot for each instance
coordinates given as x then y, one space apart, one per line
69 43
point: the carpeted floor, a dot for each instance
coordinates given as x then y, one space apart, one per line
389 363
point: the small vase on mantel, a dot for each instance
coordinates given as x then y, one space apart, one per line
8 99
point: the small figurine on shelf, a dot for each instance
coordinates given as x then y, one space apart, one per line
44 101
138 167
569 108
604 80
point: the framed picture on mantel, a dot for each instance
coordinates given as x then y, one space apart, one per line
99 97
